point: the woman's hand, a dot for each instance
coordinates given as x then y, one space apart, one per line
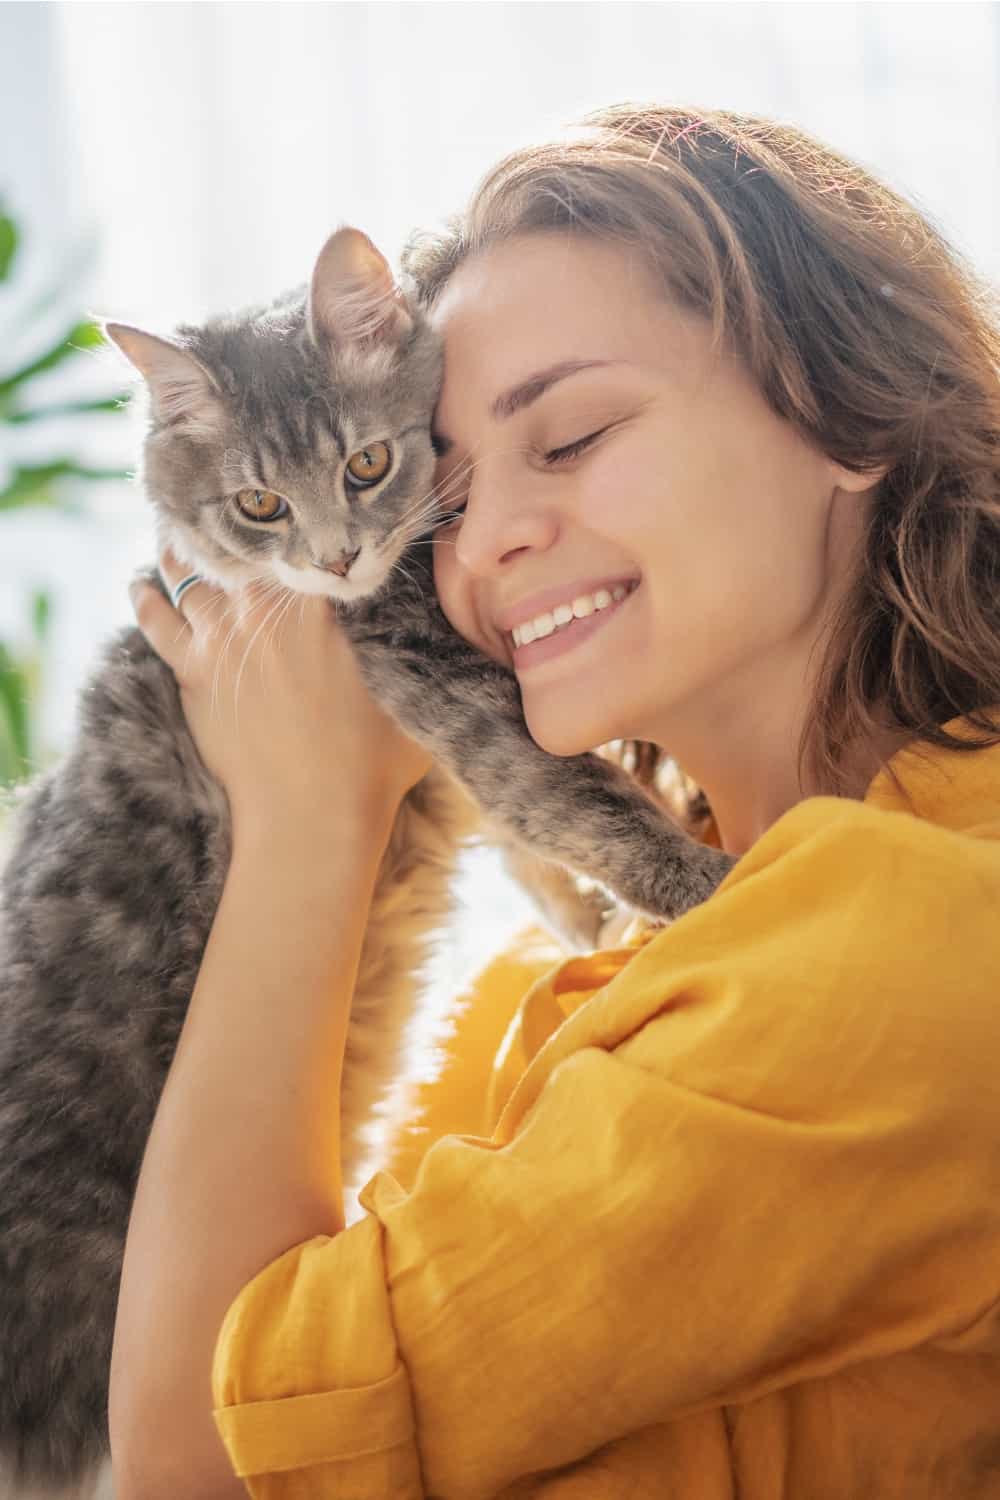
276 704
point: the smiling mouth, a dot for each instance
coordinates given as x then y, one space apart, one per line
568 632
566 615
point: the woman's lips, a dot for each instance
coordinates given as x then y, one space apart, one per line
565 637
546 600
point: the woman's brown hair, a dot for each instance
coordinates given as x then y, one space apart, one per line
863 328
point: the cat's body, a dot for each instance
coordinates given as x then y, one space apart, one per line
109 896
111 886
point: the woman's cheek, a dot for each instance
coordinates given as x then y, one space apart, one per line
455 597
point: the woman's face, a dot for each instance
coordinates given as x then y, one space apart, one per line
604 450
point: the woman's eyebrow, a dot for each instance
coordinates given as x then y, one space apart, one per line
529 390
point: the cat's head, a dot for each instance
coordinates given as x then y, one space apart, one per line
291 442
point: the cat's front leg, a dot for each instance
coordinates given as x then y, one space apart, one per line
592 816
576 910
580 810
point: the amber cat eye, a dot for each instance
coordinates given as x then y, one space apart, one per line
369 465
261 505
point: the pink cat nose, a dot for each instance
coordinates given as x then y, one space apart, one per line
342 565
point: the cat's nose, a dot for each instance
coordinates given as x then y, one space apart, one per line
342 564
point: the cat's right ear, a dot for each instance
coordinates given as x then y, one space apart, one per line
353 296
182 391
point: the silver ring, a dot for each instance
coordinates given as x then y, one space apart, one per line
177 593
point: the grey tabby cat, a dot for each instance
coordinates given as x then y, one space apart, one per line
287 443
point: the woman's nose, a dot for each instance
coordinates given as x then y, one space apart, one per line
496 526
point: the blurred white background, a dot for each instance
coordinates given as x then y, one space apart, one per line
204 151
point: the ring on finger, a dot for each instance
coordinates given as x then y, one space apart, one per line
180 589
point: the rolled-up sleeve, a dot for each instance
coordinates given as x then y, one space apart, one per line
736 1170
320 1310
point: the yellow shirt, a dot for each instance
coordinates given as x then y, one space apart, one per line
713 1214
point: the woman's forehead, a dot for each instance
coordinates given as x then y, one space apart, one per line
543 298
537 301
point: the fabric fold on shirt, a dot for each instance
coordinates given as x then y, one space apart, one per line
736 1190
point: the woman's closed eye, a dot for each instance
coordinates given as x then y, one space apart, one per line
573 450
552 457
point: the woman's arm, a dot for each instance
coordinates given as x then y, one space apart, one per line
243 1160
761 1155
244 1156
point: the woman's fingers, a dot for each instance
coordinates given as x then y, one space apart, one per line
298 732
194 597
166 631
174 631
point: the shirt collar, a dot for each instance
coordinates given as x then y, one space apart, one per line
956 789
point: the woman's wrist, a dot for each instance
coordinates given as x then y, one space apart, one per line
314 835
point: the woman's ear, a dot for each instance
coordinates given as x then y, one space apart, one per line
855 483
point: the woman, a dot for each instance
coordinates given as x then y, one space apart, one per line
733 1223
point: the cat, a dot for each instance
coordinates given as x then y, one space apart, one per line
119 853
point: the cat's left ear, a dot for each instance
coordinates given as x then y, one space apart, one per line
182 391
353 296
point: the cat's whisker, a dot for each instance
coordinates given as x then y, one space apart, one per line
406 573
419 528
242 667
434 506
404 535
418 522
426 504
415 527
189 621
273 608
268 584
444 493
204 612
455 477
285 606
448 520
454 480
219 661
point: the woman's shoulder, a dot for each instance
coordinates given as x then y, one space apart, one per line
853 940
895 878
841 892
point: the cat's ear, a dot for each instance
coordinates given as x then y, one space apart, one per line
182 391
353 296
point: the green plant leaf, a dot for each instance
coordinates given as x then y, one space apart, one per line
36 484
10 762
14 696
8 245
41 614
71 270
68 409
85 335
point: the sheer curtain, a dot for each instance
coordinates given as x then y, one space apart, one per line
209 148
217 144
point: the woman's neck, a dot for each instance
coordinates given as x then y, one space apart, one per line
747 766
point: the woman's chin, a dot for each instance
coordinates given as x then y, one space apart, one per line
564 738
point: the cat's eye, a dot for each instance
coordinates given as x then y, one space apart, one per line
368 465
261 505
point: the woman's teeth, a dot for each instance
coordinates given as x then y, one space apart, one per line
565 614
